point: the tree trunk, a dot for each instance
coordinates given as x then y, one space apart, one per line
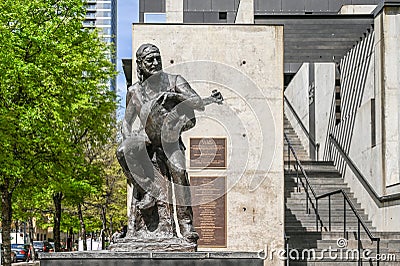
31 247
57 198
6 214
104 221
83 227
111 231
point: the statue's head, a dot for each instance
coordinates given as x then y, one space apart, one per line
148 60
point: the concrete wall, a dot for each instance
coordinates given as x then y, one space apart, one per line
379 163
357 9
297 95
324 91
249 74
174 11
370 111
245 13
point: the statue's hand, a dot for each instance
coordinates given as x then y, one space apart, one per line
164 96
216 96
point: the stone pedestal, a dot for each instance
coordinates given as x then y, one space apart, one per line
108 258
151 245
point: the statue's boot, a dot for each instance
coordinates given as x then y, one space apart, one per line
185 221
185 214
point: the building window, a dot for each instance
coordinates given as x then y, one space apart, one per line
155 18
223 15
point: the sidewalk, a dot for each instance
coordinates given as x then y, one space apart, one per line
30 263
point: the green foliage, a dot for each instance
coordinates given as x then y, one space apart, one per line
54 103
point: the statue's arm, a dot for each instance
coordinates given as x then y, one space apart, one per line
184 93
130 115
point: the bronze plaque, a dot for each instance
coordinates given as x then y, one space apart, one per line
208 152
209 210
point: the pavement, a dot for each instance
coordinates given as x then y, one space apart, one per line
30 263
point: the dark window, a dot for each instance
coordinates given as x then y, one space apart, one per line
222 15
373 126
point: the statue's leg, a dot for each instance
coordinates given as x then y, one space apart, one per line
176 165
134 160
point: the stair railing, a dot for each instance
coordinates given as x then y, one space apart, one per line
360 221
307 187
305 184
310 138
380 201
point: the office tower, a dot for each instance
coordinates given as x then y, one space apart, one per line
102 15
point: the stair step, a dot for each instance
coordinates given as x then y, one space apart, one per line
310 236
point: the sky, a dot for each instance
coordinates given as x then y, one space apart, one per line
127 13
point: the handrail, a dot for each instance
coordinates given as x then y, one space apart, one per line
306 186
300 165
379 200
346 199
310 138
352 208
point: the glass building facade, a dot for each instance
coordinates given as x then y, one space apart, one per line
102 15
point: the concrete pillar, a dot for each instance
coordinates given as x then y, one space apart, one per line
387 93
245 14
174 11
357 9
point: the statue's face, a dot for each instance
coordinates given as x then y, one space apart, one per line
151 64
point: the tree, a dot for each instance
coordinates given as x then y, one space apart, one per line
53 94
106 201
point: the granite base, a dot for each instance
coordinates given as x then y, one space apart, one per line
109 258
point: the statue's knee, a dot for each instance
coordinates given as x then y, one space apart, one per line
120 152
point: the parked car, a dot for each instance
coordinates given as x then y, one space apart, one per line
52 247
42 246
13 255
21 251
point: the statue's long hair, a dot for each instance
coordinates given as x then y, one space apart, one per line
141 53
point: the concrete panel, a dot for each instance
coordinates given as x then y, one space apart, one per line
245 14
272 5
109 258
250 76
297 94
316 6
364 2
357 9
141 5
335 5
391 76
297 6
223 5
193 17
196 5
324 94
237 4
212 17
174 11
231 16
154 6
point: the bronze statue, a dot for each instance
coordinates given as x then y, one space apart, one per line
153 154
